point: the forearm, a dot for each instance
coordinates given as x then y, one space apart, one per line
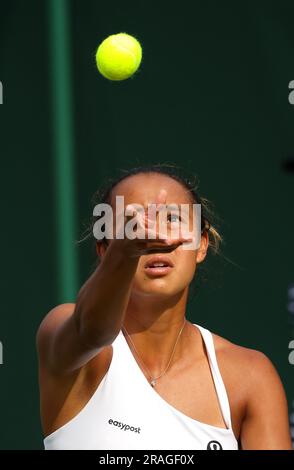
102 300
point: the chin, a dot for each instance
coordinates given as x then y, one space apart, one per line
158 288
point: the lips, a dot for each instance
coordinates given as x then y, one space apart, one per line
158 259
158 265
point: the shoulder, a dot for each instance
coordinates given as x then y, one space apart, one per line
246 367
240 356
254 386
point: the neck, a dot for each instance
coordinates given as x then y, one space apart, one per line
154 326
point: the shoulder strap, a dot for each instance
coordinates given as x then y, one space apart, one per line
218 381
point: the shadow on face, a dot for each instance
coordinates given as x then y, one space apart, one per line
143 189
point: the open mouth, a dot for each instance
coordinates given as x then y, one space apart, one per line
158 266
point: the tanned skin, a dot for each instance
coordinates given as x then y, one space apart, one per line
74 341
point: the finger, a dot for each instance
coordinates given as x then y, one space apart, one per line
161 197
162 249
157 244
143 223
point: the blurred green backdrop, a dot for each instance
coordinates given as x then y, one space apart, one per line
211 95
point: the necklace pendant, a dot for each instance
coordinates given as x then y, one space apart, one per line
153 382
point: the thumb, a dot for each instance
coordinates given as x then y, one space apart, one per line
161 197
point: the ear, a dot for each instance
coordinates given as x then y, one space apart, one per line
202 250
101 248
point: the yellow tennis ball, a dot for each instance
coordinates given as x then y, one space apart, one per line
118 56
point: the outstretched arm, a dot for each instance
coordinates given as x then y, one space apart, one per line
71 335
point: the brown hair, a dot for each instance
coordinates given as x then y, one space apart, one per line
188 182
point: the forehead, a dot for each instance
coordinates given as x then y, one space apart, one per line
144 188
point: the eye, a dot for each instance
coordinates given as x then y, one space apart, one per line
173 218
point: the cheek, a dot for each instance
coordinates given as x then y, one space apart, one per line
186 262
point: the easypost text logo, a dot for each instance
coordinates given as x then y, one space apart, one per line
133 221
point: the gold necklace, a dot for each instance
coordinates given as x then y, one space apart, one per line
154 379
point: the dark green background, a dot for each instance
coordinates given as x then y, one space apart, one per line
212 96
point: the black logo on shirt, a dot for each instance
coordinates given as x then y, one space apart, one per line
214 445
124 427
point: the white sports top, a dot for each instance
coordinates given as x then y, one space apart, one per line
125 412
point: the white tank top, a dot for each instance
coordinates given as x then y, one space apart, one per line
125 412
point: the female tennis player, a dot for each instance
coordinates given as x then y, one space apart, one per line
122 368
